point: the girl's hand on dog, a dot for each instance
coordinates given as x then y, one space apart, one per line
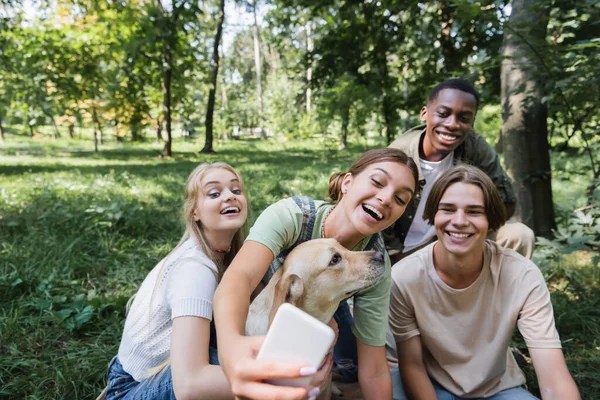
247 375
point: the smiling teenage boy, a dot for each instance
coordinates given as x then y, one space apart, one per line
455 303
446 138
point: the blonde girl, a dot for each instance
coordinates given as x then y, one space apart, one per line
170 320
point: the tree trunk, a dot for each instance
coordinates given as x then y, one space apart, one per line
345 123
386 82
406 119
525 130
389 116
210 108
96 125
166 152
158 130
309 48
118 131
257 65
1 130
72 131
452 59
224 135
56 132
169 46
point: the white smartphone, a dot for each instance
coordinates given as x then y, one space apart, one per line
296 336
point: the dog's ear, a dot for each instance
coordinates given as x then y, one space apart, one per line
294 290
289 289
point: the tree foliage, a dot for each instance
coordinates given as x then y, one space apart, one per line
338 69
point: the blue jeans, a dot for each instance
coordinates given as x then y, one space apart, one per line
345 353
122 386
516 393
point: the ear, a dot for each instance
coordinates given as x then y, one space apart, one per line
423 115
347 182
288 290
195 216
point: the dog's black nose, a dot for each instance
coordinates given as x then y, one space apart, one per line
378 256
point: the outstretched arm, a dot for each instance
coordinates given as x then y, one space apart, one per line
237 353
553 376
193 376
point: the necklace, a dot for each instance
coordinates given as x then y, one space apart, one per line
223 251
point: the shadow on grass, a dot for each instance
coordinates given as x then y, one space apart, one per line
290 161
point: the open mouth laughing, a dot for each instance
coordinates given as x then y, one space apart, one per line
230 210
373 212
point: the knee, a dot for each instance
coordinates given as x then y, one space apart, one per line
517 236
521 231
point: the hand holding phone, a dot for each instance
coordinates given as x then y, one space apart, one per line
296 336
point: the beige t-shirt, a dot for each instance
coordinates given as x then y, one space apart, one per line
466 332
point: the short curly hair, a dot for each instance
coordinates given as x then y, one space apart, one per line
457 84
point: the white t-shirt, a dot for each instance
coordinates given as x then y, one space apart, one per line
420 232
182 284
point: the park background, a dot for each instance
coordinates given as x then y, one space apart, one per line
106 106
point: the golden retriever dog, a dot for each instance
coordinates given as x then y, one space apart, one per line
315 277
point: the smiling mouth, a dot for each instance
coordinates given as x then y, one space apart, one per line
372 212
458 235
230 210
448 137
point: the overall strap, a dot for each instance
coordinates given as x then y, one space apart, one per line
376 243
309 213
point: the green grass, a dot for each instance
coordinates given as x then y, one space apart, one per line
79 231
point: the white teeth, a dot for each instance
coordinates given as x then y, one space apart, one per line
377 213
448 137
459 235
234 209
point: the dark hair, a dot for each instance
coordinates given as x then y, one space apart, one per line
494 207
458 84
373 156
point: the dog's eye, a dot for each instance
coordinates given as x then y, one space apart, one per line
335 259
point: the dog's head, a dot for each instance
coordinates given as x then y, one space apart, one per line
317 275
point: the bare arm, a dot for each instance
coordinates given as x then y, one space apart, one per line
553 376
415 380
193 376
373 372
232 297
237 353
